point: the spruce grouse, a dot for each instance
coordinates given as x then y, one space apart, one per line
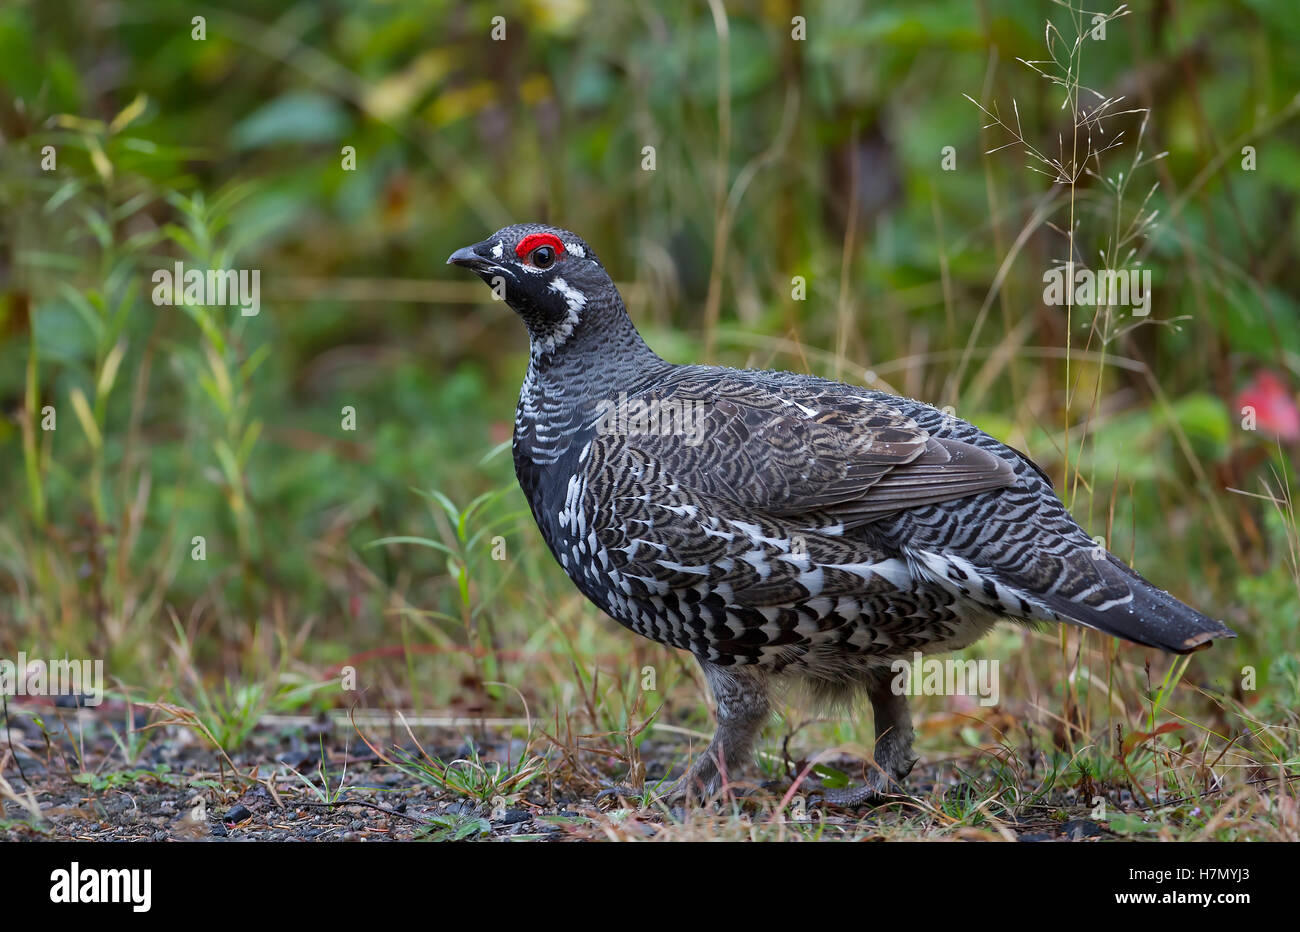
783 528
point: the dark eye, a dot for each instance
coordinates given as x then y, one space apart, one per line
543 257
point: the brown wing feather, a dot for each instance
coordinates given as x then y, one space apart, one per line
843 455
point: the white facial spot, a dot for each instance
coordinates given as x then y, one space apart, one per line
574 298
576 250
575 301
498 249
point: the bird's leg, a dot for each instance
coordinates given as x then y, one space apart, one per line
743 705
893 755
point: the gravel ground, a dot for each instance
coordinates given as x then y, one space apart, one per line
70 766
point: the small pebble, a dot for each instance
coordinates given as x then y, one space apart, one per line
1077 829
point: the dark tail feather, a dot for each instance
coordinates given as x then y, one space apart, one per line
1152 617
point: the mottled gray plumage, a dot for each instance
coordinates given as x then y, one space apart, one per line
786 528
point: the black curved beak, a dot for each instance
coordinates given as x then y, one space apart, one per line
470 258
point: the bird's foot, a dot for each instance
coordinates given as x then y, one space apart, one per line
624 791
874 792
703 787
689 788
884 782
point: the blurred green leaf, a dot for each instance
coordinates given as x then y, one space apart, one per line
296 117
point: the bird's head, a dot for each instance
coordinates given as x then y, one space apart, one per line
549 276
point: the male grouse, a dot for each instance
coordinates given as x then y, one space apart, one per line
784 528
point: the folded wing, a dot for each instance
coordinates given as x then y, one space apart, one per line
850 457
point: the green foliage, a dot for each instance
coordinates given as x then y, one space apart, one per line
119 779
455 827
471 776
175 423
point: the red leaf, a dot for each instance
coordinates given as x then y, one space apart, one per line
1273 405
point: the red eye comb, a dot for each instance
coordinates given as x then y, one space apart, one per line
533 240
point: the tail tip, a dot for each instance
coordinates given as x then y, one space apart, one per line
1201 640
